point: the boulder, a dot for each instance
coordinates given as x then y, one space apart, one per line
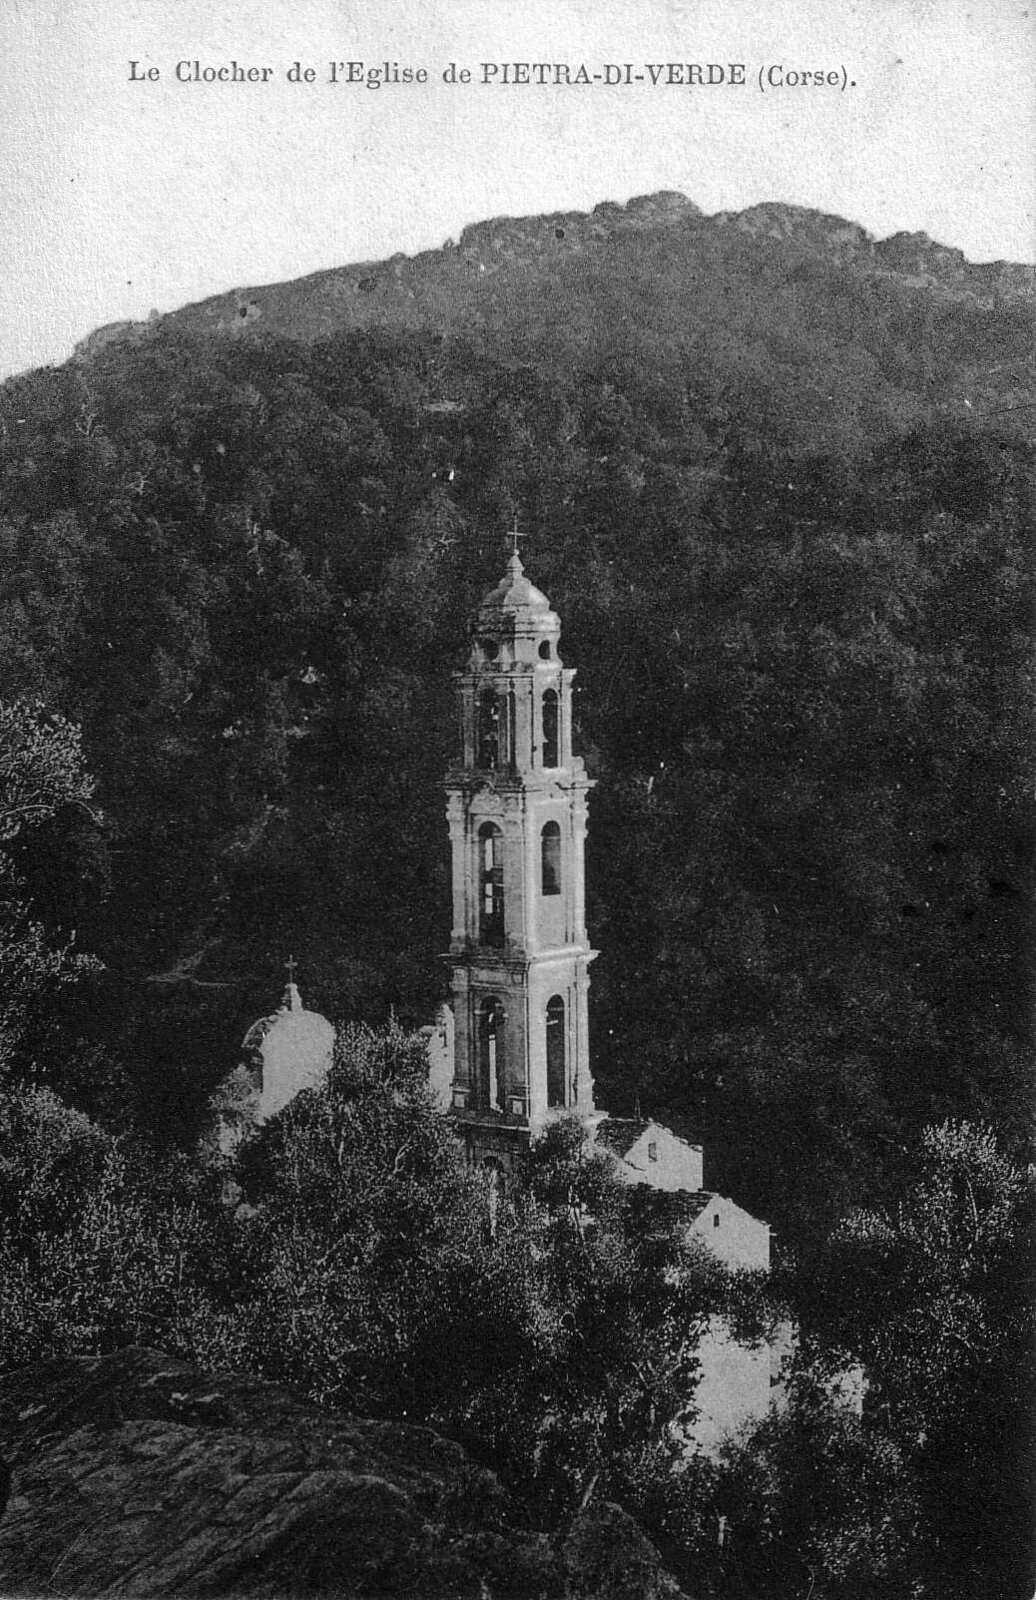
136 1474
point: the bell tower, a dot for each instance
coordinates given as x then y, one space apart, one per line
516 807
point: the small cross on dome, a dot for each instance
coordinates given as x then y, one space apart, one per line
292 998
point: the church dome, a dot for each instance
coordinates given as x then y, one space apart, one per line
292 1001
290 1050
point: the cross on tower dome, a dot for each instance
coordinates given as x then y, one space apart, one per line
514 535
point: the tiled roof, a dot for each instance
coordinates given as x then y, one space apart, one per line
620 1134
688 1204
257 1032
670 1205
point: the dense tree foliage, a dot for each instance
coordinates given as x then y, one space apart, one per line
935 1297
809 1500
540 1325
42 781
347 1250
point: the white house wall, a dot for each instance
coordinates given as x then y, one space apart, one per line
738 1239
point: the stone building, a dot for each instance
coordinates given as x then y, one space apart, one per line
647 1152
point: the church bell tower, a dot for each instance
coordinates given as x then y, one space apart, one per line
516 808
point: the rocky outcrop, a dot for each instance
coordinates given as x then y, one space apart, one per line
607 1557
135 1474
824 235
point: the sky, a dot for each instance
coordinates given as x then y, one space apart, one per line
121 192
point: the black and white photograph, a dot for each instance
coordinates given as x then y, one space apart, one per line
517 800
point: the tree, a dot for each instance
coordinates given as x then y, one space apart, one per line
102 1244
543 1326
934 1297
816 1502
42 773
41 768
364 1240
620 1306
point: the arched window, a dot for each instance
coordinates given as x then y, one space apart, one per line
489 731
491 884
556 1051
550 728
550 859
491 1055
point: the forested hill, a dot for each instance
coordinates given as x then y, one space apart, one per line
775 478
559 281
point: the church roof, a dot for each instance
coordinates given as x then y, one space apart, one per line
257 1032
292 1001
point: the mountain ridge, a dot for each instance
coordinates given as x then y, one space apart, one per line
433 285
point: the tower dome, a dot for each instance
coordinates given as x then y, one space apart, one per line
514 593
514 624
